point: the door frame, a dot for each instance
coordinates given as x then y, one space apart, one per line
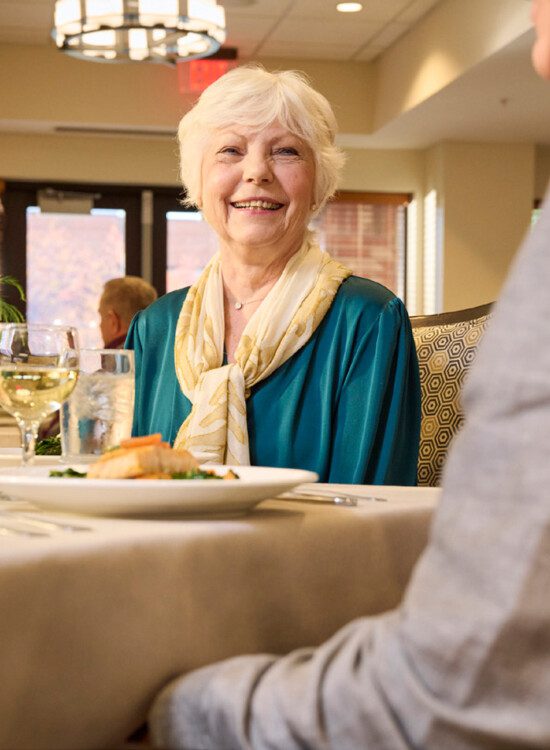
164 200
19 195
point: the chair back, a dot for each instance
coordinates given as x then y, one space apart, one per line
446 344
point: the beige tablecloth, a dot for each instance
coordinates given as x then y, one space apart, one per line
93 624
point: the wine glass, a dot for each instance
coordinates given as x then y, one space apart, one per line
38 371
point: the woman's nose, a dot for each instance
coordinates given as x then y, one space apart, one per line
257 168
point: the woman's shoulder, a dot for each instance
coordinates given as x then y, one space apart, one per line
160 317
166 303
165 307
367 295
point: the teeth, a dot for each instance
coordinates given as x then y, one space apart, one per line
257 204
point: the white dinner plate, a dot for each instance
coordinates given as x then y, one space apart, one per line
151 497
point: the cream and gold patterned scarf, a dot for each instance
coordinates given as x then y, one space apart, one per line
216 431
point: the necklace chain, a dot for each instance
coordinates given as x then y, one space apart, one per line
238 305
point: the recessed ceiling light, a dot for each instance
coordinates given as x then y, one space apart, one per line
349 7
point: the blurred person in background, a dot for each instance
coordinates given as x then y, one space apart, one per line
120 300
464 663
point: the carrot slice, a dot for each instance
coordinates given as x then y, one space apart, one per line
139 442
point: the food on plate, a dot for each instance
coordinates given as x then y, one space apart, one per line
50 446
141 461
146 457
68 474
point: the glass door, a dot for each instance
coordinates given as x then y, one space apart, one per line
64 242
183 243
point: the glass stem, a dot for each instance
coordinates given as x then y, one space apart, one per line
29 435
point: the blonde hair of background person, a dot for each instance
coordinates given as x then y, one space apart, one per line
464 663
120 300
277 355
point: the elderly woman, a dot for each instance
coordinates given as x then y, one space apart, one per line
277 355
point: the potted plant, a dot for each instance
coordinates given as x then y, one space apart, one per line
9 313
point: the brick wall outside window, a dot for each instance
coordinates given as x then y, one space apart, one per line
368 238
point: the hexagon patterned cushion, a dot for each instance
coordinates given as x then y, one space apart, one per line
446 345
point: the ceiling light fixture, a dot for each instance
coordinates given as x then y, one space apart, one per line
139 30
349 7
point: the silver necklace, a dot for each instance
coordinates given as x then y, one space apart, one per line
239 305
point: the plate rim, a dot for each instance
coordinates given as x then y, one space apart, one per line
153 496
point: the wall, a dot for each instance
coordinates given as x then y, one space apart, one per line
486 215
350 87
453 37
542 171
45 88
137 161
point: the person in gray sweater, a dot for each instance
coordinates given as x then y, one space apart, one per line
465 660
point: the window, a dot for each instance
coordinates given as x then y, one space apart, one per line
367 232
190 243
62 242
69 258
63 256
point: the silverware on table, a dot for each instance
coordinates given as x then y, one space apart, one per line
323 492
329 497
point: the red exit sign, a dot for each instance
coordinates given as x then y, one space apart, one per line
196 75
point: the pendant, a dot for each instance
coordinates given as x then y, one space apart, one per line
238 305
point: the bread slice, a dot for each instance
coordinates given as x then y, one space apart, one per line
131 463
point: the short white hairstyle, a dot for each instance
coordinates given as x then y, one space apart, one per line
254 97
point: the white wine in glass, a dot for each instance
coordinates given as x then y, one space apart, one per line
38 372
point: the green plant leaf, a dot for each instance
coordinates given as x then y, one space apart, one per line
12 281
9 313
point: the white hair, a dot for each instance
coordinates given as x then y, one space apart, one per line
254 97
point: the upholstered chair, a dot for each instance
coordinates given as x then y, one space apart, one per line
446 344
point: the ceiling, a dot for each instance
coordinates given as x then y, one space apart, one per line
266 28
500 99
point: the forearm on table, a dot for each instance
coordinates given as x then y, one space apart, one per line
311 698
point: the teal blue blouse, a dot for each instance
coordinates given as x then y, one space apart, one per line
346 405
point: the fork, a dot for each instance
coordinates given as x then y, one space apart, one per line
340 499
326 494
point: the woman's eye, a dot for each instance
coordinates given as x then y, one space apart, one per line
229 150
287 151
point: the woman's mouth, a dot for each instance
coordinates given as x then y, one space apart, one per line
264 205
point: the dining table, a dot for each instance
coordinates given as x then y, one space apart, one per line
97 613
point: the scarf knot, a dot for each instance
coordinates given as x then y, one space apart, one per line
216 430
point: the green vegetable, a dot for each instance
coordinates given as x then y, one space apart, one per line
50 446
68 473
195 474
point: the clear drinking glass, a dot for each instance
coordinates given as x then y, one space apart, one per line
38 371
100 411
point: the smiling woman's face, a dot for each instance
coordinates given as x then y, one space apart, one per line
540 13
257 188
